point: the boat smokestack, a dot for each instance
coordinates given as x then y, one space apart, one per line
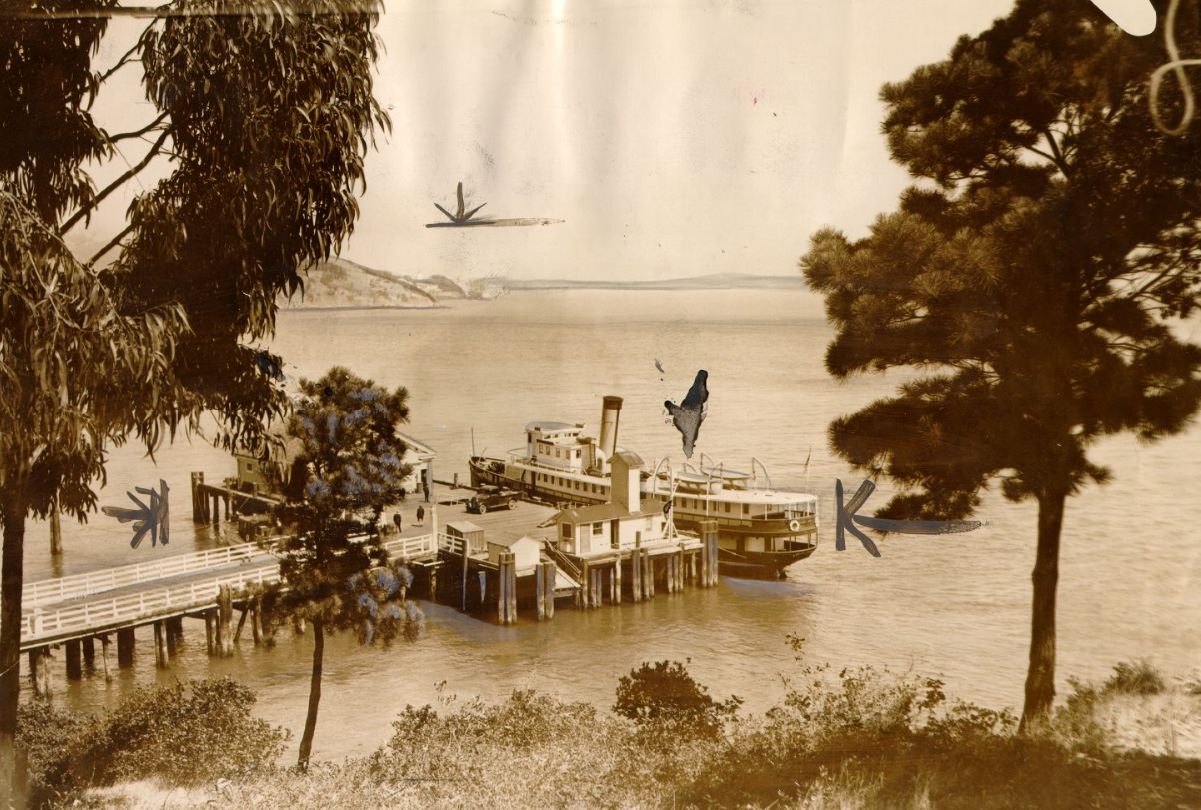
610 414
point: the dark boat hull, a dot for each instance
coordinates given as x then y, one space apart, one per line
762 564
748 564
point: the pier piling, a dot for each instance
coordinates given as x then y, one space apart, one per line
540 591
210 631
245 611
708 553
104 642
256 621
199 513
511 590
162 657
56 529
125 642
39 671
548 580
74 660
225 615
89 653
506 591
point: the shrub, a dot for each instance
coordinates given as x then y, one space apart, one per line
1135 678
185 735
179 735
46 734
530 749
665 696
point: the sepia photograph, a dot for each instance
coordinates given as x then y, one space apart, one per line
609 404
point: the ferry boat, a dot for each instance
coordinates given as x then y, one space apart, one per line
761 531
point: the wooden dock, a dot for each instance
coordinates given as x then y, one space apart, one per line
74 611
207 585
209 501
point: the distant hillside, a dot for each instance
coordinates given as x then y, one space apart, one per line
715 281
446 287
343 283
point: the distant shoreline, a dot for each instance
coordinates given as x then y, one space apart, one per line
555 285
351 307
724 281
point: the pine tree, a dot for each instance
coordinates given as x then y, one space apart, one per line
1035 272
335 574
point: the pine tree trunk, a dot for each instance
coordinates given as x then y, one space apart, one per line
310 723
13 517
1040 676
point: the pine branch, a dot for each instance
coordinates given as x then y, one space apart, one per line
1059 161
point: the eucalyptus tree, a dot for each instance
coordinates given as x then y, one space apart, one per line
1035 271
335 574
261 115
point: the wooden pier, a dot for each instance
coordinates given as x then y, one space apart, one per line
72 612
501 572
209 501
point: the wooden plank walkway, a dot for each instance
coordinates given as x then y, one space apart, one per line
169 588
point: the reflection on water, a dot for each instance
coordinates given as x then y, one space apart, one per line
955 604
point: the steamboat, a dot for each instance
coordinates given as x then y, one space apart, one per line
761 531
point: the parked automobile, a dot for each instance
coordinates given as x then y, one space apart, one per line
491 498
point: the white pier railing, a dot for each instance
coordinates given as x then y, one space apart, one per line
76 585
62 621
56 609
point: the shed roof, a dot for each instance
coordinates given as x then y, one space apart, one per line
509 542
632 459
463 526
608 511
418 447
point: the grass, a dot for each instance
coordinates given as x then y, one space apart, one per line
838 739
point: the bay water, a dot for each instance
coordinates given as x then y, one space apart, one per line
955 606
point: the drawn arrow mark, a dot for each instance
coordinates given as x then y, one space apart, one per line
846 519
153 519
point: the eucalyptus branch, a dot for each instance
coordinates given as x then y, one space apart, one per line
137 133
120 181
127 57
116 240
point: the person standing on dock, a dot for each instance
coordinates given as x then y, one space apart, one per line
397 521
420 515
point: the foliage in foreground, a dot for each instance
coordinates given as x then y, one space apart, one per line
854 738
180 735
664 699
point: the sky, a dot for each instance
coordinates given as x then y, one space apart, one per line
673 137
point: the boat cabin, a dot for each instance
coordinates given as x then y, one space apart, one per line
560 445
